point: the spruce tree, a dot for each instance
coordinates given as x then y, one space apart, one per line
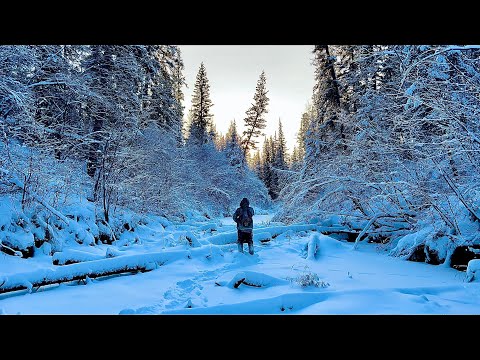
257 163
273 188
255 121
325 131
233 150
200 125
56 91
305 121
265 170
280 149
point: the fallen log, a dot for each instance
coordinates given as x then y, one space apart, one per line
72 256
254 279
91 269
259 233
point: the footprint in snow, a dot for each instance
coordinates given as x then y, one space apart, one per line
185 289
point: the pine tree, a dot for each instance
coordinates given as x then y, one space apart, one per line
295 160
233 149
201 104
17 62
325 132
326 91
257 163
279 162
113 109
265 170
273 188
178 81
280 149
99 65
161 99
212 132
305 121
57 92
172 80
255 121
221 142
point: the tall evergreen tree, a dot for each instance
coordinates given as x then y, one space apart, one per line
273 188
178 80
279 162
233 149
280 149
325 132
255 121
57 91
295 160
99 65
172 80
257 163
220 142
212 132
201 104
265 170
307 118
113 110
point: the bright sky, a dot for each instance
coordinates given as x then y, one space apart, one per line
233 72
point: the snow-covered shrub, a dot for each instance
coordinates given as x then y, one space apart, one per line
183 182
406 156
307 279
16 230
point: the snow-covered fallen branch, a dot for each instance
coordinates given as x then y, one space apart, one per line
71 256
14 252
223 238
457 192
255 279
372 220
263 237
473 250
92 269
192 239
259 233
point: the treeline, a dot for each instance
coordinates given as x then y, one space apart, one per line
106 122
392 140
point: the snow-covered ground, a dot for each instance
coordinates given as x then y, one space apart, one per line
260 220
216 279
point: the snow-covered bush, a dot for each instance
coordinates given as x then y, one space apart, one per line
309 278
396 143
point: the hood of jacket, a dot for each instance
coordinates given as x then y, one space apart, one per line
244 203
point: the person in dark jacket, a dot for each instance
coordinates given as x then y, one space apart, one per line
243 216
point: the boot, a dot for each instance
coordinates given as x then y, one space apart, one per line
240 248
250 249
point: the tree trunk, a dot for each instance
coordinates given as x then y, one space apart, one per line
94 146
336 92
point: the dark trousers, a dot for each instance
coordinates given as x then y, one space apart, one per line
245 237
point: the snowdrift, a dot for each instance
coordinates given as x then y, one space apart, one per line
98 268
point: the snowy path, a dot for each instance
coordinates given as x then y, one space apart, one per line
365 281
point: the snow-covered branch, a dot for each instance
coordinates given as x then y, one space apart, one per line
14 180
